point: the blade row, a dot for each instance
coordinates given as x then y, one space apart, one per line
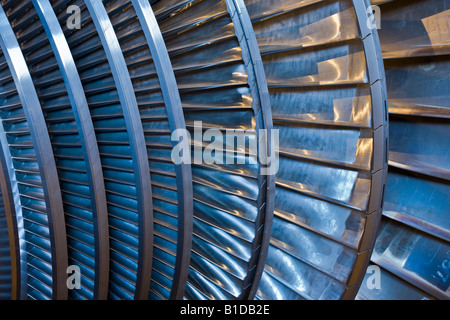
412 250
95 97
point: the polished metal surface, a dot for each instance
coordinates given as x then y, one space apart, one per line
14 219
327 100
42 228
142 189
89 146
216 87
260 91
6 259
161 113
9 247
413 245
83 189
95 106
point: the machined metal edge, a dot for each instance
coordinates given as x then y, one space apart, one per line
88 142
7 175
135 131
377 82
44 154
176 119
263 114
415 280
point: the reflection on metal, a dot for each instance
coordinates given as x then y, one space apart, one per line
43 229
9 247
413 245
90 118
13 219
183 171
161 113
215 74
77 145
260 91
326 90
133 125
